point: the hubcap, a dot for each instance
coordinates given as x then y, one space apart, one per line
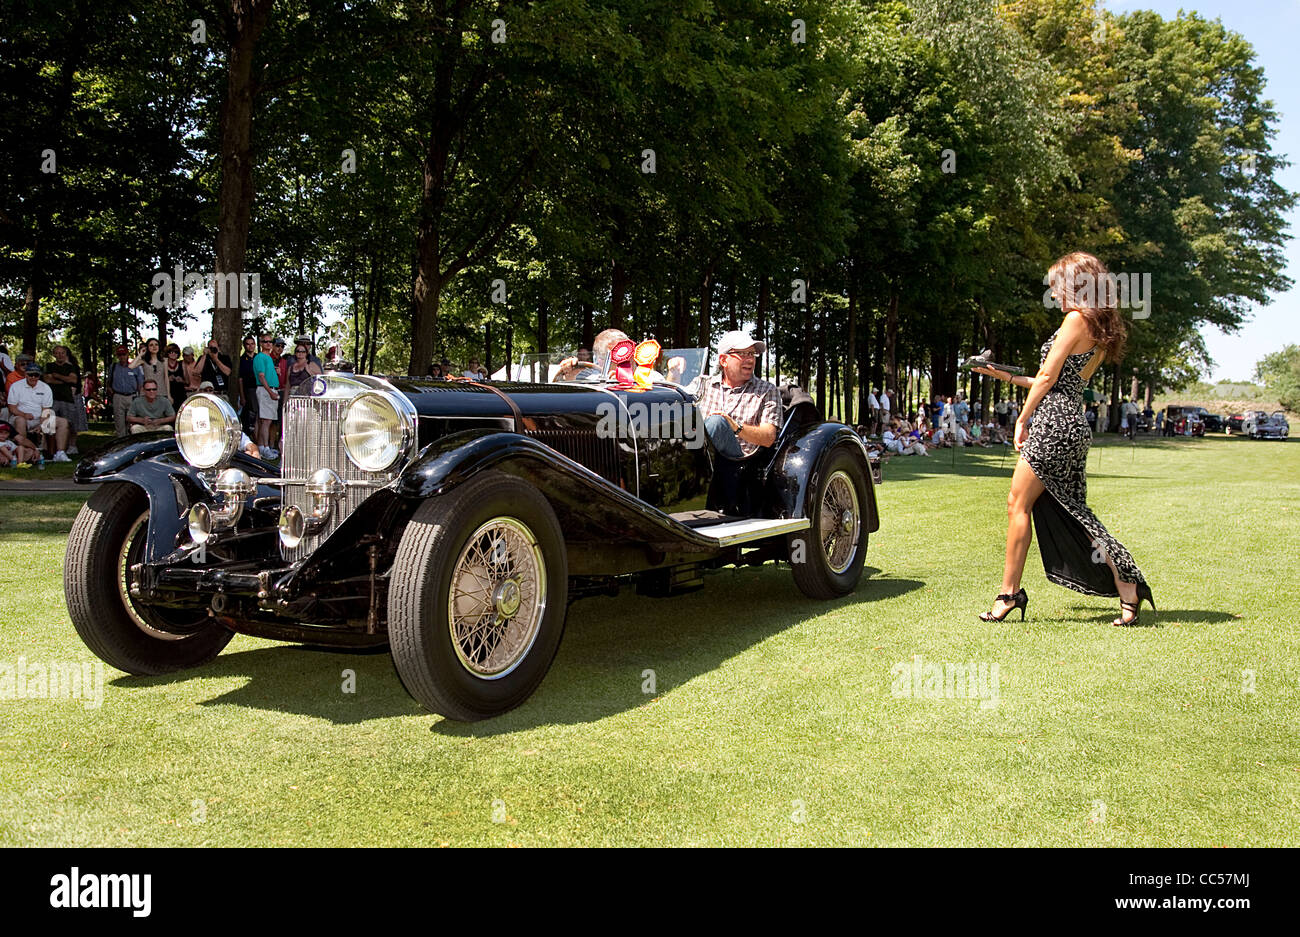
507 598
841 522
497 598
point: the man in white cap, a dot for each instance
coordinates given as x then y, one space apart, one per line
742 413
873 404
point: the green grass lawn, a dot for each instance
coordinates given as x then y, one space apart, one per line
772 720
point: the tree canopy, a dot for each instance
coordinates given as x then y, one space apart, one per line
876 187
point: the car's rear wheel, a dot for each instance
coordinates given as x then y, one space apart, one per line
827 558
107 539
478 597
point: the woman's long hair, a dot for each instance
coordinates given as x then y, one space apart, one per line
1084 285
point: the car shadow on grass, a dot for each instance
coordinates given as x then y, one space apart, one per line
600 670
309 681
625 653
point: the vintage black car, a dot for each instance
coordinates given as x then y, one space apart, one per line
452 521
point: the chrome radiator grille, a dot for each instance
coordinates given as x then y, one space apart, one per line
311 442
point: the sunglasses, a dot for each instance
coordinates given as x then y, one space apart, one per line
213 348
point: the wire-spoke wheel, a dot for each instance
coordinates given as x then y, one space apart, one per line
107 539
477 597
827 558
497 597
840 522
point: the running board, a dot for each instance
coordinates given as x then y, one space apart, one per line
730 533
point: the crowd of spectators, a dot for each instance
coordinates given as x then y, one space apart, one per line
944 423
44 408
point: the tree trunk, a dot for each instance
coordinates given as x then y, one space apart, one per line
510 346
235 197
862 361
851 352
1114 396
706 306
837 409
618 287
891 340
588 327
32 308
824 402
680 325
356 320
543 338
805 349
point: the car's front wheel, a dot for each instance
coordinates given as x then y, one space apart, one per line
107 539
827 558
478 597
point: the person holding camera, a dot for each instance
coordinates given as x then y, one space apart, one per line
216 370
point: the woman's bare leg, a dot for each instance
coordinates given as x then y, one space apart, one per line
1127 590
1025 489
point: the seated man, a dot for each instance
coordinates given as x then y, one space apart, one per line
742 413
30 400
150 412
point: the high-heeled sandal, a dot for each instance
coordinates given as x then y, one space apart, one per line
1127 607
1018 601
1144 594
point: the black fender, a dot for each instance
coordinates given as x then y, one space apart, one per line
153 463
796 469
590 508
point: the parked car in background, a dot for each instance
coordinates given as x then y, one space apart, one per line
1181 420
452 521
1232 424
1213 422
1261 425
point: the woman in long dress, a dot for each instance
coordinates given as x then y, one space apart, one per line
1050 480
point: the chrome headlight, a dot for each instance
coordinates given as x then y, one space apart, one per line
207 431
377 429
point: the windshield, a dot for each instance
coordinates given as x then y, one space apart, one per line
538 367
684 365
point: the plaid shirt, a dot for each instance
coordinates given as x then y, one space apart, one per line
753 403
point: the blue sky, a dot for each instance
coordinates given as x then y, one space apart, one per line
1272 27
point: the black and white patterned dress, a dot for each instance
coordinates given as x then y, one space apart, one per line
1073 543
